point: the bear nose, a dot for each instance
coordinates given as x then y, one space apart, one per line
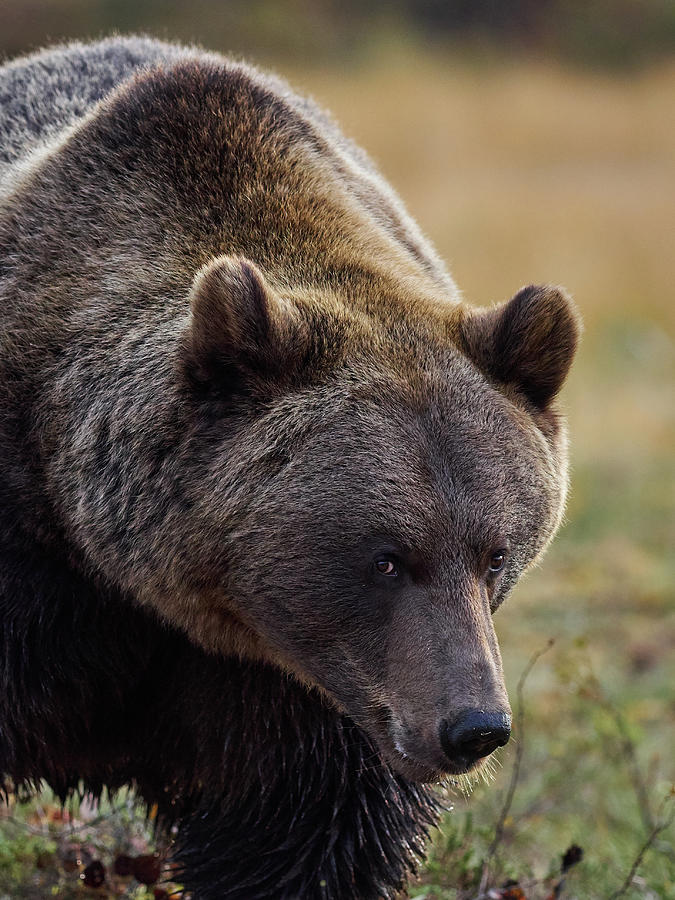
474 734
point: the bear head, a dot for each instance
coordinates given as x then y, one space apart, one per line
378 483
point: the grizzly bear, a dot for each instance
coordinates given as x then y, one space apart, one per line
264 478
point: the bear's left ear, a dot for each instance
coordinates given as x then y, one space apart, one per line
528 342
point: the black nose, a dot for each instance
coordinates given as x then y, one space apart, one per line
474 734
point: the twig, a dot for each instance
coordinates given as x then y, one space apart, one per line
71 830
639 784
515 774
653 834
628 750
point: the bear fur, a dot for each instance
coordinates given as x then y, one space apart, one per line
264 478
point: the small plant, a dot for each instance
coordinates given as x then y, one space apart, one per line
80 850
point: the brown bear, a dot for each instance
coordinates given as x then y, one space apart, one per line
264 478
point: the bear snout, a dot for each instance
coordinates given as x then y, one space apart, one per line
453 745
474 734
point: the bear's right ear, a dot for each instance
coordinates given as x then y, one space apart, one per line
527 343
240 336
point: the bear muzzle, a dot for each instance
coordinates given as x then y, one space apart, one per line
473 735
455 745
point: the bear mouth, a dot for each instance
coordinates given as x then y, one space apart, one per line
422 772
436 768
413 769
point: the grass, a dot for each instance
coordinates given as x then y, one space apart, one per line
525 172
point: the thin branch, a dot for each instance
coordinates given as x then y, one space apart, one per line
653 834
515 773
630 754
639 782
70 830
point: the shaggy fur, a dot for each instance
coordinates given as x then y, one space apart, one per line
234 376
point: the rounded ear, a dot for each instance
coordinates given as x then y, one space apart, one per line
240 334
528 342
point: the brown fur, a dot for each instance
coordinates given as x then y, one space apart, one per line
234 372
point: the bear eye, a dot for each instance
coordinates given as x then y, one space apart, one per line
497 561
386 565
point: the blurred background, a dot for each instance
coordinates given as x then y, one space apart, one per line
534 141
